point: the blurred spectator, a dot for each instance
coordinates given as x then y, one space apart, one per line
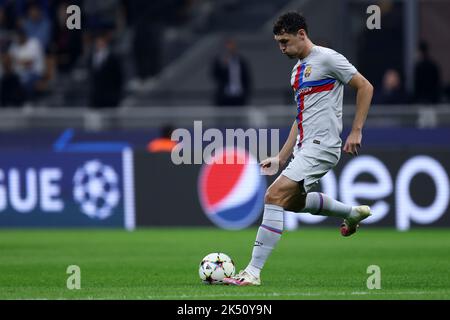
4 34
392 91
164 142
28 61
232 76
20 7
8 15
106 75
373 58
11 94
67 45
37 25
427 82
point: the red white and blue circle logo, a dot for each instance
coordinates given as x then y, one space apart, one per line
232 192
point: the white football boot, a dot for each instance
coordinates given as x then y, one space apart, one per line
350 224
243 278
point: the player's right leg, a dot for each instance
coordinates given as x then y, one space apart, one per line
269 233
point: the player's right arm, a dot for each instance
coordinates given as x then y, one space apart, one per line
285 152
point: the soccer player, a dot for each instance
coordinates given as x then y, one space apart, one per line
318 81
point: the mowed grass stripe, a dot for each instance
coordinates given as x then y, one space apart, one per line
163 264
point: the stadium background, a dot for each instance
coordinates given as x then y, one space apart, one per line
166 79
101 94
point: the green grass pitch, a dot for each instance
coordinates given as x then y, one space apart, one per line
163 264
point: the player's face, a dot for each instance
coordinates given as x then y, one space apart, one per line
291 45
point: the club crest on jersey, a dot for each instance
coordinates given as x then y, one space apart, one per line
308 71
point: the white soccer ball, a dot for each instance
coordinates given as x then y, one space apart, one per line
215 267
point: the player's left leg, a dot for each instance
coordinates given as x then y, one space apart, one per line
308 168
320 204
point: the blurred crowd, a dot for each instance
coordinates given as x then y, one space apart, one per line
34 45
428 86
37 50
232 75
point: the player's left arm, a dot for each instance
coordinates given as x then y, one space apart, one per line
363 99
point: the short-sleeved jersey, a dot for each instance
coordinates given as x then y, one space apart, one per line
318 82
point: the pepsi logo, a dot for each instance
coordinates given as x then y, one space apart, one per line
232 192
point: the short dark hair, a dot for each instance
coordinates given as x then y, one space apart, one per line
290 22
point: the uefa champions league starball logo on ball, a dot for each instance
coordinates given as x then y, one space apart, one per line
96 189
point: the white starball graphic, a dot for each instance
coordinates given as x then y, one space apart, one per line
96 189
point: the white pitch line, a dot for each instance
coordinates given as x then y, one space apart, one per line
273 294
303 294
